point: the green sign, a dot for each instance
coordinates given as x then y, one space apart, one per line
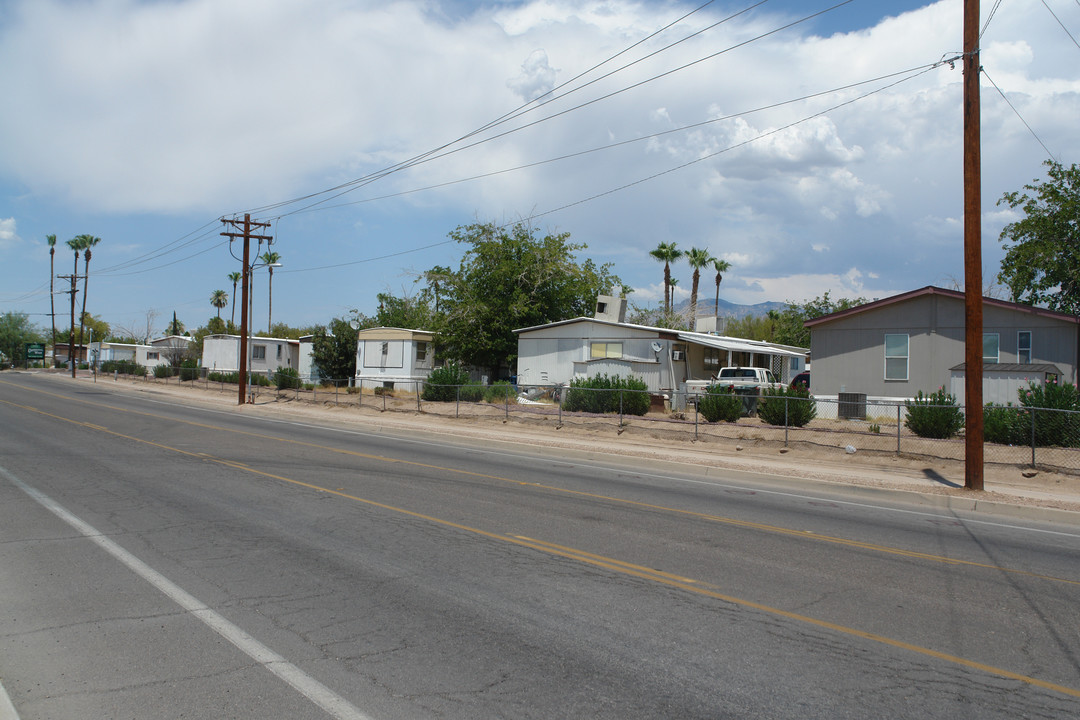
35 351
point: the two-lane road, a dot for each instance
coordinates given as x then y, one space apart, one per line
158 560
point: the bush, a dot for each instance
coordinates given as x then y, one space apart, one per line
604 394
793 407
1006 425
720 403
220 377
286 378
163 371
498 392
1056 409
935 415
442 384
189 370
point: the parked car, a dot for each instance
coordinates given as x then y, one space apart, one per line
802 378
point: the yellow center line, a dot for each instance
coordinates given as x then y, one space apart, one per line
611 564
747 524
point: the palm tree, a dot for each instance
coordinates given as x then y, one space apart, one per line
88 242
76 244
667 253
51 239
219 299
235 277
721 266
270 258
697 259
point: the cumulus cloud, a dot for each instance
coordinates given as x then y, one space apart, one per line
8 235
537 77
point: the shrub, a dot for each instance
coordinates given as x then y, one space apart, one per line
498 392
1006 425
220 377
935 415
286 378
442 384
1056 413
352 390
383 390
604 394
163 371
260 380
189 369
793 407
720 403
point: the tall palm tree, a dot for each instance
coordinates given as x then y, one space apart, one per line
270 258
88 242
721 267
76 244
51 239
667 253
219 299
697 259
235 277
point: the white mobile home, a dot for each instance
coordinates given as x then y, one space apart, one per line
390 356
221 353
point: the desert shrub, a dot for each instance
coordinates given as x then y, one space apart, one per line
793 407
189 369
605 394
220 377
498 392
1056 413
934 416
1006 425
443 382
720 403
260 380
352 390
286 378
383 390
163 371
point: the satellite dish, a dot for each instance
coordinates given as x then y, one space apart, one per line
657 347
354 323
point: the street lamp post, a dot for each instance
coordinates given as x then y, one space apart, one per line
251 322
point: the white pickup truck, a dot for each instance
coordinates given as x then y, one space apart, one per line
745 380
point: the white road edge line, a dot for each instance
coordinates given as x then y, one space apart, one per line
7 710
303 683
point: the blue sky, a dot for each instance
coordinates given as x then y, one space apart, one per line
143 123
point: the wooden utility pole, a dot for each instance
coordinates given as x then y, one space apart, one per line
72 356
248 225
973 307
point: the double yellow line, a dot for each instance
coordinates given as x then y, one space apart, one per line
600 561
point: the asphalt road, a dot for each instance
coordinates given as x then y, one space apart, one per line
165 561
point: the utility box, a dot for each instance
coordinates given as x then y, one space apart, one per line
852 406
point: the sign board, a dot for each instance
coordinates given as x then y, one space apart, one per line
35 351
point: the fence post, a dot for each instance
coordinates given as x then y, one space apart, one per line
506 402
1032 437
457 401
558 401
697 404
785 419
416 389
897 428
620 409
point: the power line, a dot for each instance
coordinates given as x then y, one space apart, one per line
1077 44
1013 107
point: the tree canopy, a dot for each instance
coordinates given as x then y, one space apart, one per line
510 278
15 331
788 324
333 350
1042 250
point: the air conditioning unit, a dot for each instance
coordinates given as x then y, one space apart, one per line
677 354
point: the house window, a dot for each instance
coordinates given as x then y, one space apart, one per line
896 357
258 352
991 348
606 350
153 356
421 352
1023 347
278 352
712 358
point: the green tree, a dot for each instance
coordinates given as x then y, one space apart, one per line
219 299
90 328
1042 250
15 331
175 327
270 258
88 242
789 324
697 259
333 350
666 253
721 267
508 279
412 313
235 277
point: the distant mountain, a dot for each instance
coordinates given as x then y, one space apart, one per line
731 310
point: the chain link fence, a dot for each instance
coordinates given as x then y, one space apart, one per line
1043 438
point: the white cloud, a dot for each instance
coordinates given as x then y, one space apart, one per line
8 235
537 77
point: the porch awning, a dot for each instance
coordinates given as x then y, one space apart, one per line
736 345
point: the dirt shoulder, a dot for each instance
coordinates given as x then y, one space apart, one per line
748 451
